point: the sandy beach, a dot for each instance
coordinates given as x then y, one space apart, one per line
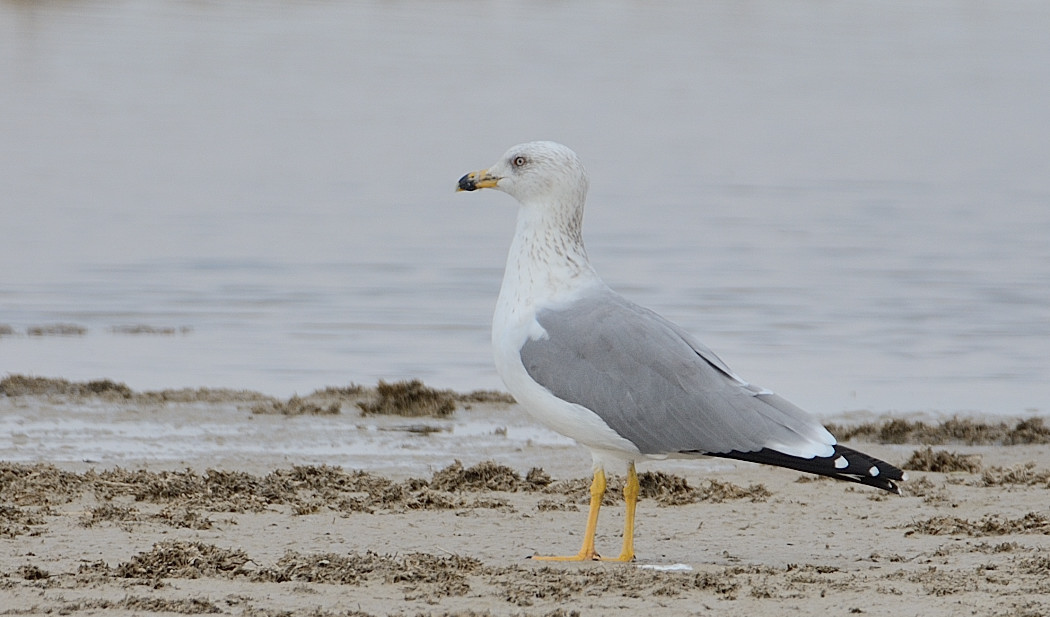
448 533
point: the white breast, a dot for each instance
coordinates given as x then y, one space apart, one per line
514 323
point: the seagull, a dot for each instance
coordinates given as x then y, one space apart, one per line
619 378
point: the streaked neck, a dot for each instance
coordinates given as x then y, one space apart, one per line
547 259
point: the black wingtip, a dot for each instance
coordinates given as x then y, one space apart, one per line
844 464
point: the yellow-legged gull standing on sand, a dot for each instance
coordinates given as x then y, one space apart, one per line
616 377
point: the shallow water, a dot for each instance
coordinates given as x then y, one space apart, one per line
92 432
851 204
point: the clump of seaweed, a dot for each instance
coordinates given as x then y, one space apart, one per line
485 396
942 461
140 604
143 329
489 476
442 575
410 398
42 484
57 329
121 515
990 525
31 572
952 430
183 559
26 385
1023 474
717 492
324 402
296 406
15 521
671 490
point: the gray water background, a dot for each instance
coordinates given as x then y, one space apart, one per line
849 202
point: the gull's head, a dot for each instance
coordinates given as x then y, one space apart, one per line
538 172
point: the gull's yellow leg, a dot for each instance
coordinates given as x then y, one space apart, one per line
630 497
587 550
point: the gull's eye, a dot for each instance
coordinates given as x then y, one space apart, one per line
519 161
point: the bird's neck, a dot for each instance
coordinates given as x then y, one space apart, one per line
547 261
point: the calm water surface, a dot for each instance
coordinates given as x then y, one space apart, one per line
850 203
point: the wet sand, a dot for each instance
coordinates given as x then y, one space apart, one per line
225 532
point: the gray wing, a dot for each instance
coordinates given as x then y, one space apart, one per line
658 387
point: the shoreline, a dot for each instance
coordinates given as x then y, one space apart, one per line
448 505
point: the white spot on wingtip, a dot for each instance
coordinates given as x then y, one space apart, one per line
841 463
904 477
874 471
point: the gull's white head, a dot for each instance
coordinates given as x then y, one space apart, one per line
537 174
